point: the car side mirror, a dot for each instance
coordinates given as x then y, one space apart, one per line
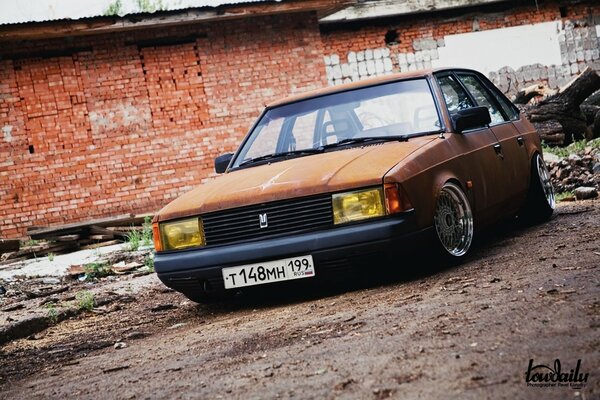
222 162
470 118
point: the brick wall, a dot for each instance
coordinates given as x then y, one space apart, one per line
117 123
106 125
357 51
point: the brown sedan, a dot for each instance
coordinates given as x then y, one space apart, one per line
327 180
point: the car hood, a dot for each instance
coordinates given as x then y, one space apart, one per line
332 171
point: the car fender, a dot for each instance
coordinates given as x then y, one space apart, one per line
424 189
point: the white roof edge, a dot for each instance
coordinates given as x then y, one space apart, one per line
389 8
19 11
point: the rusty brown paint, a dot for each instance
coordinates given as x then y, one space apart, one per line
421 166
322 173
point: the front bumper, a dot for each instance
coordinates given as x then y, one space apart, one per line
333 250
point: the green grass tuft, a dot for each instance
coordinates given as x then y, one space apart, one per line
149 262
96 270
134 239
85 300
564 195
52 313
137 239
575 147
147 237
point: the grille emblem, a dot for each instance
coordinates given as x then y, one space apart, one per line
263 220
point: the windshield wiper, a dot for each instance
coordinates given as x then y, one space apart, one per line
275 156
365 139
321 149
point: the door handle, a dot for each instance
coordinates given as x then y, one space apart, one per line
520 140
498 150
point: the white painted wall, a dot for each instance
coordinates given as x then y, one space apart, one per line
491 50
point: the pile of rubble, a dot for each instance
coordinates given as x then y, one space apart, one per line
35 294
578 173
69 238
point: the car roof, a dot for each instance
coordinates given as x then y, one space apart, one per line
356 85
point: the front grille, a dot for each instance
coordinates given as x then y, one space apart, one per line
283 217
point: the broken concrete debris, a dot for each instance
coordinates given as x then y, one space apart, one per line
584 193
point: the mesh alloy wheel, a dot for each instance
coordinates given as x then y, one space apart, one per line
545 182
453 220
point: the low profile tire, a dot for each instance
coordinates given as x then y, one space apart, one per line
540 202
453 222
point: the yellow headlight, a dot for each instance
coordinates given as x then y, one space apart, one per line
182 234
357 205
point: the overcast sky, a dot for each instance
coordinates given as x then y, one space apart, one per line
13 11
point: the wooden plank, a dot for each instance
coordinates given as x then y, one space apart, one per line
65 229
101 244
99 230
102 237
42 250
11 260
68 238
124 230
82 227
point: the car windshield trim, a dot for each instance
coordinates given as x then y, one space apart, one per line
275 156
332 146
365 139
321 149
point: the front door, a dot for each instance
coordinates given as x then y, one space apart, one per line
510 145
479 153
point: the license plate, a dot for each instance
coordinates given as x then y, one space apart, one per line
268 272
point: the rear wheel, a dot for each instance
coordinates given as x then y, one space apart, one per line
453 221
540 199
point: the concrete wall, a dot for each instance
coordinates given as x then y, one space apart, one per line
514 46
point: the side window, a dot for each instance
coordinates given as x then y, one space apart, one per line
454 95
507 107
482 96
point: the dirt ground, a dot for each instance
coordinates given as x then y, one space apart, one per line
465 332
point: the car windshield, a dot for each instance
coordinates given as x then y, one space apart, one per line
383 112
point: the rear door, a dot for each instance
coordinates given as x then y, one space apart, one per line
510 147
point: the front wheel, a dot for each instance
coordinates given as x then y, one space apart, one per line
453 221
540 202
